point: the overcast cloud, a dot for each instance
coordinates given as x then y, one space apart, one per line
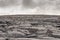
47 7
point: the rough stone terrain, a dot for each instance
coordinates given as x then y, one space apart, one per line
30 27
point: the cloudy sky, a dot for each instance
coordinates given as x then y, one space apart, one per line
45 7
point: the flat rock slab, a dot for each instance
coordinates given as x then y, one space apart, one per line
30 39
33 39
